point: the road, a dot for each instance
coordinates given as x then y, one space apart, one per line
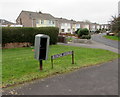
99 38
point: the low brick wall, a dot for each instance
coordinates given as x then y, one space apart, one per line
16 45
84 41
62 39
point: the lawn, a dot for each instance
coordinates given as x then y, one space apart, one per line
19 65
112 37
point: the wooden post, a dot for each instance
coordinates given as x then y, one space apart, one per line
52 62
40 62
72 57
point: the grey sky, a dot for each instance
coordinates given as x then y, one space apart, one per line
99 11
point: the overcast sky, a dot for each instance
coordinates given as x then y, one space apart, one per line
99 11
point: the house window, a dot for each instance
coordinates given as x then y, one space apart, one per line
49 21
53 22
63 24
42 21
78 25
62 30
68 24
20 21
37 22
73 29
68 30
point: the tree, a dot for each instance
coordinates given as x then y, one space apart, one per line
115 25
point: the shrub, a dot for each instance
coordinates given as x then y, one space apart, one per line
76 32
81 32
97 31
27 34
86 37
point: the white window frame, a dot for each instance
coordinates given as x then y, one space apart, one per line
42 22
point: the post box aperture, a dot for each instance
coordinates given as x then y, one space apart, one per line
43 48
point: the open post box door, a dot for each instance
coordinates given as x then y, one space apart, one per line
41 46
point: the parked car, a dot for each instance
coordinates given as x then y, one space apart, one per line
110 33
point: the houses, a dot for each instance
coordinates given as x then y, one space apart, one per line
85 25
74 26
5 23
35 19
64 25
67 26
78 26
39 19
98 26
104 26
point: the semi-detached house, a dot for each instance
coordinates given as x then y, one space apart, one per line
67 26
35 19
75 25
64 25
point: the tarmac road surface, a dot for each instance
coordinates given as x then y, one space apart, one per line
99 38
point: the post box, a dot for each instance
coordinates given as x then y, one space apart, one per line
41 46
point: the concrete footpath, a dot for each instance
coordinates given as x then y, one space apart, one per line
93 45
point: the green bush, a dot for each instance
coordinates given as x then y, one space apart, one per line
27 34
76 32
86 37
97 31
82 32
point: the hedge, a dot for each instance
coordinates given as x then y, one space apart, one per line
27 34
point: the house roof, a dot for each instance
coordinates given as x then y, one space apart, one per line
63 20
5 22
82 22
39 15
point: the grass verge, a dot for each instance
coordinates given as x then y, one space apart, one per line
112 37
20 66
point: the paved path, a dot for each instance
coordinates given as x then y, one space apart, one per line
94 45
94 80
98 41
